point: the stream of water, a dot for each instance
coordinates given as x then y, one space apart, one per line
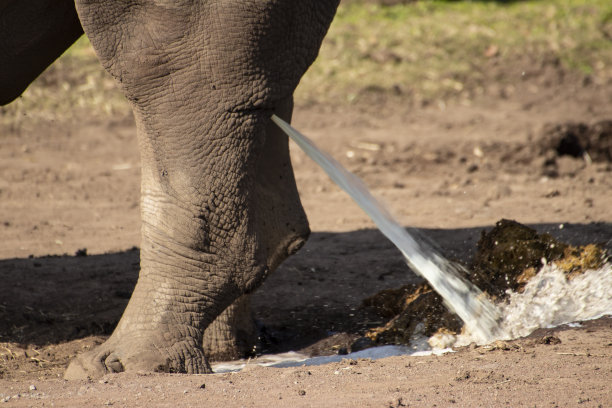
481 317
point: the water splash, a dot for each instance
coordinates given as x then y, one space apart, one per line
478 314
549 299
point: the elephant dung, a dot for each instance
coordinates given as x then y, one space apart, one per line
507 258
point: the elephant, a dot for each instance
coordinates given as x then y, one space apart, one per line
219 204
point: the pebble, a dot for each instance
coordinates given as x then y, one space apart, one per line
32 387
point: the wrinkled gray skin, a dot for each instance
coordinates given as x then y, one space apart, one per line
219 205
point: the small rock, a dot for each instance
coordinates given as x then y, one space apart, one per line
583 400
32 387
553 193
202 386
301 392
362 343
499 345
549 340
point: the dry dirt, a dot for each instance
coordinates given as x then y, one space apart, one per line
69 223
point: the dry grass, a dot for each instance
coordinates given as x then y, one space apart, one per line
437 49
415 52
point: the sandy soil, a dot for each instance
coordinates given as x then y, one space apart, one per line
69 222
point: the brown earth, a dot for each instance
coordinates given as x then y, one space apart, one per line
69 223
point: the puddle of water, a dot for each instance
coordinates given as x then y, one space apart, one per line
293 359
478 314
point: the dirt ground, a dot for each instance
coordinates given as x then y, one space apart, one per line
69 222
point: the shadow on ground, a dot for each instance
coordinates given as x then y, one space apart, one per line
314 295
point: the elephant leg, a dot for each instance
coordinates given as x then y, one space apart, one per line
284 225
233 334
219 204
190 271
182 290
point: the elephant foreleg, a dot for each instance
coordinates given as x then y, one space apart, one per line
233 334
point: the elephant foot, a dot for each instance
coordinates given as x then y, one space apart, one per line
115 356
233 334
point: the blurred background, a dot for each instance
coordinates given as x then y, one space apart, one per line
409 52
